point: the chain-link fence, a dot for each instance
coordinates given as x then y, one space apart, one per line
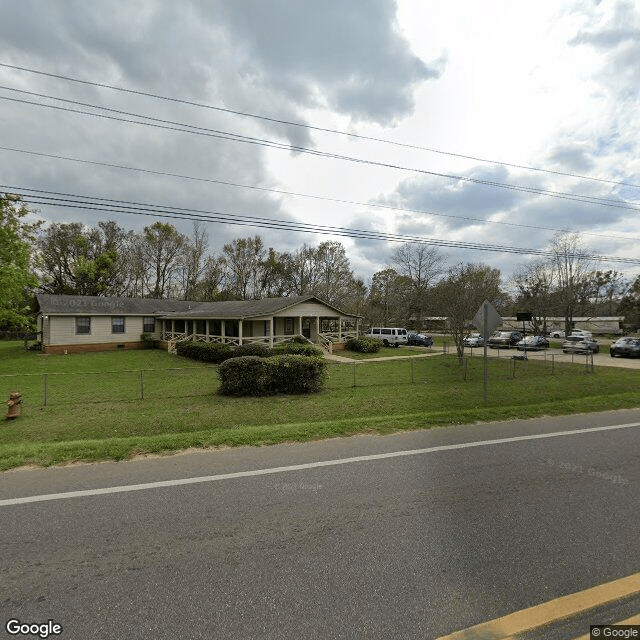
49 389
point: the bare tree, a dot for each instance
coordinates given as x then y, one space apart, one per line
461 293
573 274
422 264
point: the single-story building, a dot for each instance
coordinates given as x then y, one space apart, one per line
594 324
72 324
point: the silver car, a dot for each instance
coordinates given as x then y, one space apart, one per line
578 344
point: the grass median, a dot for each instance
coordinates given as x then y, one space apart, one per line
112 406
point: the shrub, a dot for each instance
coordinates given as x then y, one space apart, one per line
148 341
298 349
244 376
212 352
363 345
259 349
254 376
296 373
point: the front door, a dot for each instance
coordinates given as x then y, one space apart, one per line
306 328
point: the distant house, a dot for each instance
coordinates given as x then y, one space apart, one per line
72 324
595 324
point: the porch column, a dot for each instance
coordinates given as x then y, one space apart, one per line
299 325
271 331
339 328
240 331
206 330
317 328
223 331
173 328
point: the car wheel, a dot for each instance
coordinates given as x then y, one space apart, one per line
385 343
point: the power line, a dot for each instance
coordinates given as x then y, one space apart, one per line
305 195
314 127
73 201
192 129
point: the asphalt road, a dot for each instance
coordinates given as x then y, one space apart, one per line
415 545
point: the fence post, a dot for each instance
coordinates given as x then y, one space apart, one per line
141 385
412 373
46 388
354 374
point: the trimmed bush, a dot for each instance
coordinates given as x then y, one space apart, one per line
244 376
254 376
298 349
363 345
212 352
259 349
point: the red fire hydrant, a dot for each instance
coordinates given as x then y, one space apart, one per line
15 398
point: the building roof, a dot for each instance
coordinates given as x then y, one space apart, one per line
228 309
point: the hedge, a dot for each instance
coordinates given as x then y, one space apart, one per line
215 352
254 376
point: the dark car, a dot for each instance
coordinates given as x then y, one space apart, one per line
419 339
578 344
533 343
626 347
504 339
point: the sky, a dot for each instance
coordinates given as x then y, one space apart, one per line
481 128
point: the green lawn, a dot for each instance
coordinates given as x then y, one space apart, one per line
115 405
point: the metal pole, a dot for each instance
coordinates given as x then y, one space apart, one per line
46 389
141 385
485 321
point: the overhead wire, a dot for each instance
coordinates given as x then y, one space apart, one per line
225 135
307 195
38 197
313 127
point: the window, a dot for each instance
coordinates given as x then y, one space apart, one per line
148 325
83 324
376 332
386 332
117 324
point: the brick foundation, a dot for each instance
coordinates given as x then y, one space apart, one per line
61 349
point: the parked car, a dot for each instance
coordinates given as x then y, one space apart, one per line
504 339
627 347
556 333
578 344
582 334
389 336
419 339
533 343
473 340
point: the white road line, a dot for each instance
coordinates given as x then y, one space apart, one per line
299 467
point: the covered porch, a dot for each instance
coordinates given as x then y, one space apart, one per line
321 330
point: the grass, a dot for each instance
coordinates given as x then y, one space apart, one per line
115 405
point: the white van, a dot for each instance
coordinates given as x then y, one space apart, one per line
388 335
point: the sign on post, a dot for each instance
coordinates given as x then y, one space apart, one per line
487 319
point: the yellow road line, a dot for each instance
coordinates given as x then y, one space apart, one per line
551 611
632 620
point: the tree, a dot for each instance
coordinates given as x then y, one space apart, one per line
193 261
422 265
333 274
572 270
17 280
461 293
534 283
86 261
630 304
243 259
388 297
160 249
